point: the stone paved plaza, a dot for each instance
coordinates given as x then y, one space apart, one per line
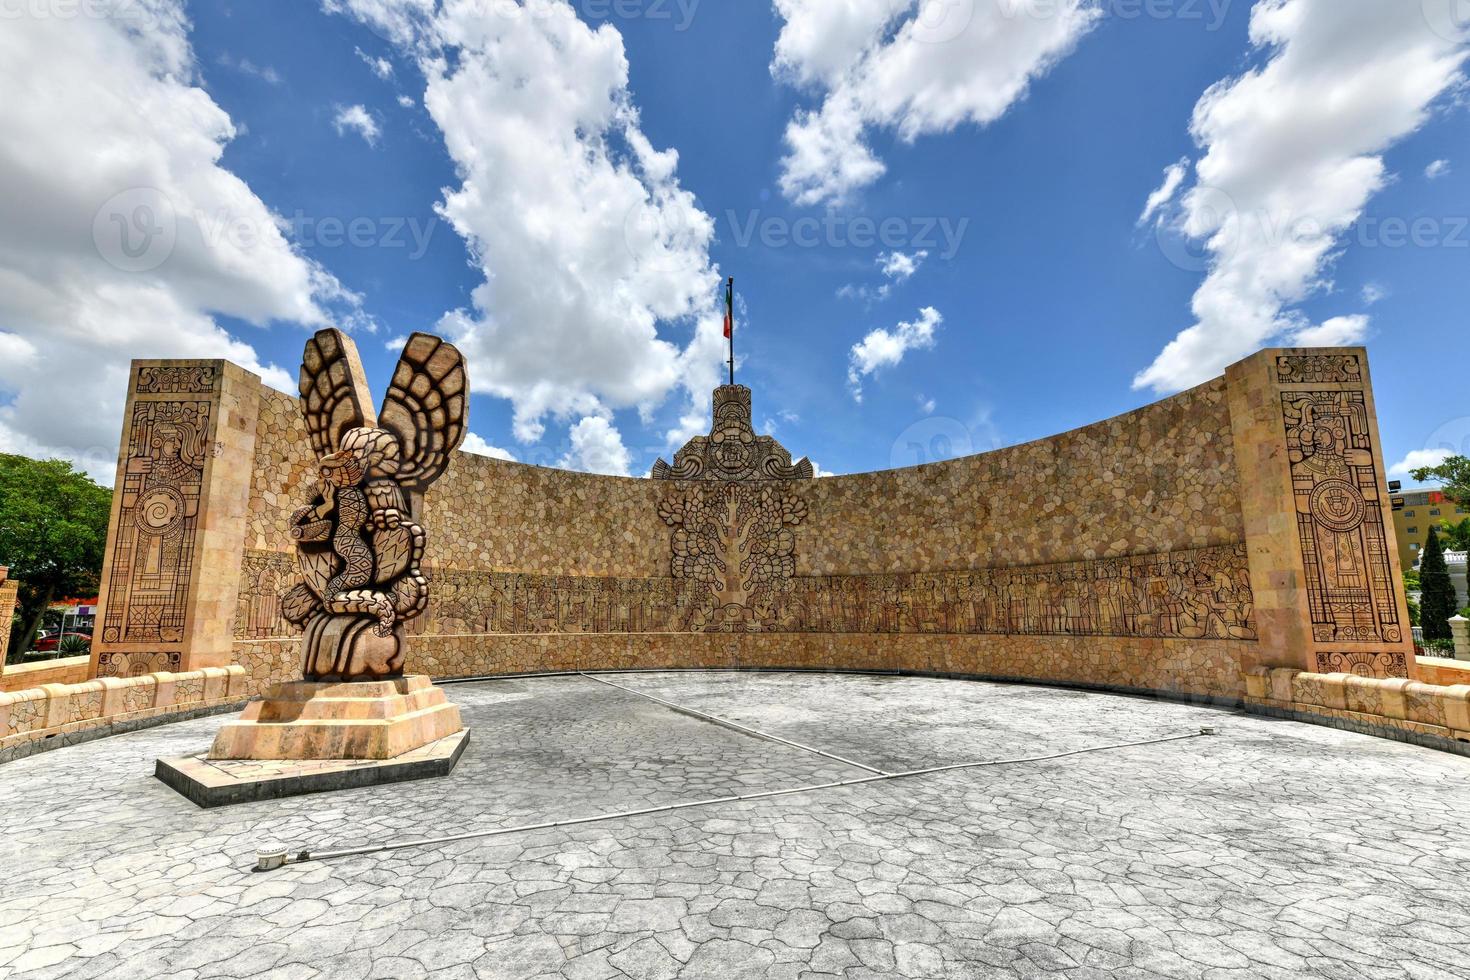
1276 849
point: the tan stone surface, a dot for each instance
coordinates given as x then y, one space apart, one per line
1168 556
362 720
171 575
9 591
66 670
54 709
1328 587
1384 704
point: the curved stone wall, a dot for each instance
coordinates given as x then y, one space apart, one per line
1113 555
1173 549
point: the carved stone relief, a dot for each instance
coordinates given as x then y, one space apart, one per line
1363 664
735 544
1200 594
152 565
1352 597
359 543
1319 369
732 452
189 379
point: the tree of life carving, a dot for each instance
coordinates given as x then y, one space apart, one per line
359 543
736 544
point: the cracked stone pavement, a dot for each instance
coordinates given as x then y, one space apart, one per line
1276 850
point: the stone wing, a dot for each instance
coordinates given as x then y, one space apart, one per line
426 407
334 390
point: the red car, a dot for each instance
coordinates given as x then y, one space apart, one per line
49 642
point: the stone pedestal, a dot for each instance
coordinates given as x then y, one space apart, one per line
1460 626
314 738
368 720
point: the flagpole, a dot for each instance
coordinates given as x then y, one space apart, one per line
730 312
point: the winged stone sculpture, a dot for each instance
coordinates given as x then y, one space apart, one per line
359 542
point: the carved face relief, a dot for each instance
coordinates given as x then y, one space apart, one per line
733 444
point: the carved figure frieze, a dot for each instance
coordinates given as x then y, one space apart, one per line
359 543
1199 594
1319 369
732 452
265 576
1351 594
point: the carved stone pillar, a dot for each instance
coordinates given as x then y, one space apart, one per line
8 592
171 576
1328 590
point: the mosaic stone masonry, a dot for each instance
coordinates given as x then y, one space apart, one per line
1149 551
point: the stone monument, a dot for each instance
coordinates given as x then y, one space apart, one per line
8 594
359 547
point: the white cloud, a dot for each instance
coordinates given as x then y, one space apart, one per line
1338 331
598 289
1374 292
913 66
1174 175
399 21
1419 459
900 267
406 101
1437 169
1292 154
357 119
122 234
381 67
818 473
478 446
926 405
597 447
886 348
897 267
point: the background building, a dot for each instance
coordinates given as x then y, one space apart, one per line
1422 510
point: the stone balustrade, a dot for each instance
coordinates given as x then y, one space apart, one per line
66 670
1460 627
1407 710
65 713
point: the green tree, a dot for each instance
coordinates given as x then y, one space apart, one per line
1454 476
1437 603
53 531
1456 536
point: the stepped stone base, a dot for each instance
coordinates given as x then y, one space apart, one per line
373 720
223 782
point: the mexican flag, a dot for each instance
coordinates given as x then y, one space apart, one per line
730 308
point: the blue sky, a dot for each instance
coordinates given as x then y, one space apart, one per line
1017 294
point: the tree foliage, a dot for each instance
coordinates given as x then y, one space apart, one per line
1456 536
1454 476
53 531
1437 601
